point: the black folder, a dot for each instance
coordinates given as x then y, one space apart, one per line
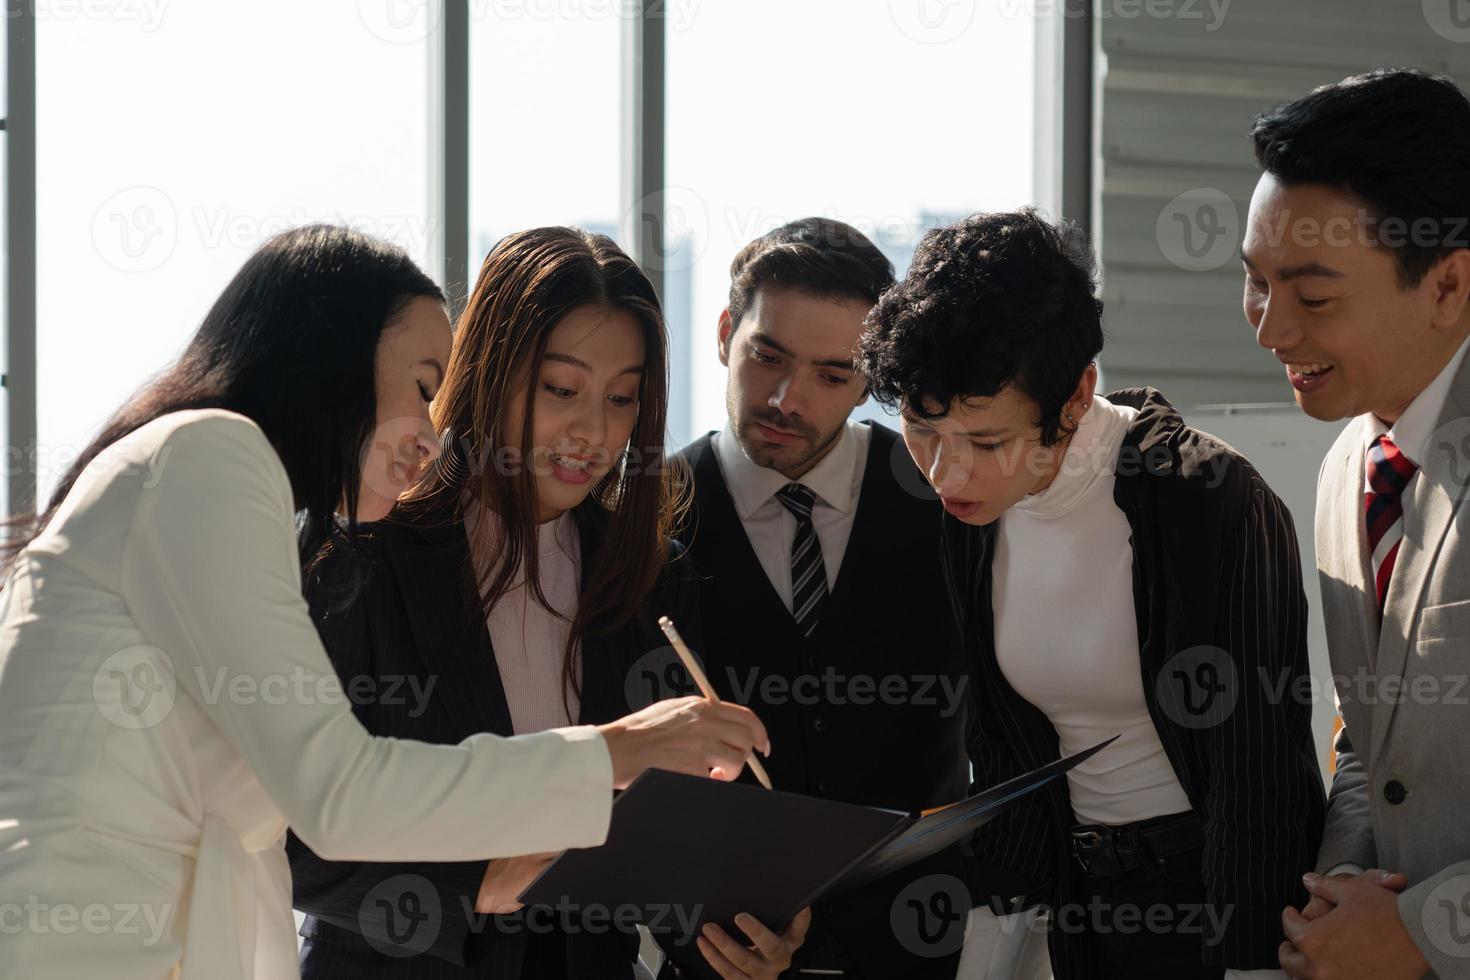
682 851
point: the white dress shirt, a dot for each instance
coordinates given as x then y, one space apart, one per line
837 480
167 710
1412 432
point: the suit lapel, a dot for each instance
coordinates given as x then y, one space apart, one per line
1433 500
1356 559
1349 610
449 634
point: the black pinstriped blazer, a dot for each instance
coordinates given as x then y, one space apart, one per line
1216 565
405 612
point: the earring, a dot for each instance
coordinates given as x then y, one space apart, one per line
1071 420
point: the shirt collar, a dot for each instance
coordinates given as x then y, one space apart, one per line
752 486
1412 432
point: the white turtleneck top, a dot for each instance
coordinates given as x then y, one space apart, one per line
1066 633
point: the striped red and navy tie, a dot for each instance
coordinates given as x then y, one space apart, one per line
1389 472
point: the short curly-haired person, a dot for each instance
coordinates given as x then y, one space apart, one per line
1114 572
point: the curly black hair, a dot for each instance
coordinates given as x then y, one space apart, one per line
1398 139
993 300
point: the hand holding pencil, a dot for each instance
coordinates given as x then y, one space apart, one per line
686 656
699 736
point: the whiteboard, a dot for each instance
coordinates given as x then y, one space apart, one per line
1287 447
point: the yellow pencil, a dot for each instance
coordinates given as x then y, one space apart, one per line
690 664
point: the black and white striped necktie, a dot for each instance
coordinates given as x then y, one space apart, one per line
808 573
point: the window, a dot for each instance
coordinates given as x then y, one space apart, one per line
544 120
223 124
219 126
893 117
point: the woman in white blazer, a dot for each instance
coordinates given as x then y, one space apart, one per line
166 707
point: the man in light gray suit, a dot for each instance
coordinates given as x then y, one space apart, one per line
1357 261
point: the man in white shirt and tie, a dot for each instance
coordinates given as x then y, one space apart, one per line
1357 264
824 608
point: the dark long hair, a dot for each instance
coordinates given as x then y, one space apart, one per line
291 343
528 283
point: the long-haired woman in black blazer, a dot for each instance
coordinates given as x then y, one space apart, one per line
510 591
1115 572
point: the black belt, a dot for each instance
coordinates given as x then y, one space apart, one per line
1107 852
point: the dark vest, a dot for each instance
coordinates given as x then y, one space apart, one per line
873 708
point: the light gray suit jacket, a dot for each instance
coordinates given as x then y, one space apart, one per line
1401 795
